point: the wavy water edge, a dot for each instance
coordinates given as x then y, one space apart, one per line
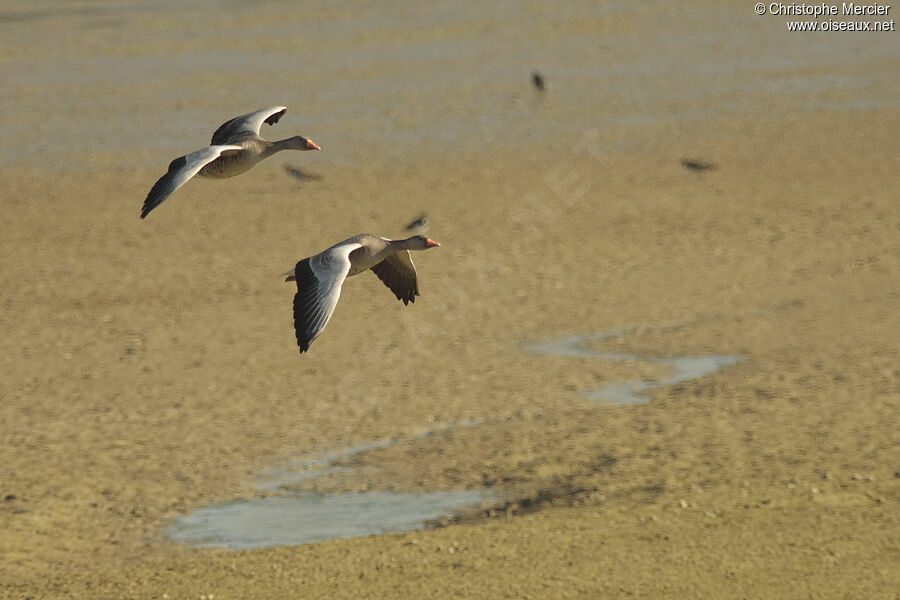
681 369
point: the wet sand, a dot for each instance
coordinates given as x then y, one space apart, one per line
150 367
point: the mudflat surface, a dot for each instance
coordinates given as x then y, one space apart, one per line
149 368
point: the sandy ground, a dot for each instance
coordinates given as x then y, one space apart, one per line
150 367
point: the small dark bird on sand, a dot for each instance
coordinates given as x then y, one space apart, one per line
540 82
419 225
300 174
697 166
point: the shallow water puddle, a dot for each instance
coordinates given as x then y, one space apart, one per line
683 368
290 517
304 518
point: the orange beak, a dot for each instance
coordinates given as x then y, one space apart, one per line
430 243
311 145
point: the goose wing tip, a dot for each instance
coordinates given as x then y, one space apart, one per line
149 204
275 113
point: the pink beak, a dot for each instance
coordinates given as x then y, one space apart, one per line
312 145
429 243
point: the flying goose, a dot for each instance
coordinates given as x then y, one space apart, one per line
319 278
235 148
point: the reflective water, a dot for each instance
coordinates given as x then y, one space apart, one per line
303 518
683 368
288 517
144 79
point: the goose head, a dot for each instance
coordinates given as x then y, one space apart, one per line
298 142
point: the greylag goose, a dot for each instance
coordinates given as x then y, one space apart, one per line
319 278
236 147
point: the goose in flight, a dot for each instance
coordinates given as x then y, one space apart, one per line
319 278
236 147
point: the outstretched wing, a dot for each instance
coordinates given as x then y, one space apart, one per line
180 170
319 280
238 127
398 272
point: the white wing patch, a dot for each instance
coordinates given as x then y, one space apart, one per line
180 171
319 280
243 125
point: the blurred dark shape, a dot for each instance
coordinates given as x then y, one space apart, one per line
300 174
697 166
540 82
419 225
